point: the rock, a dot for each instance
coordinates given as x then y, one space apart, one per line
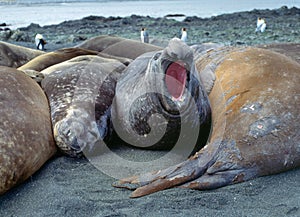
18 35
5 35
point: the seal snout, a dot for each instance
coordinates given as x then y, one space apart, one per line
180 58
74 133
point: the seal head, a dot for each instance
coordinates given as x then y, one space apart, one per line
159 96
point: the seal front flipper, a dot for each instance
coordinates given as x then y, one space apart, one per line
181 173
205 170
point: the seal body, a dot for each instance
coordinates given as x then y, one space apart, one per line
80 93
48 59
158 95
117 46
15 56
255 113
26 139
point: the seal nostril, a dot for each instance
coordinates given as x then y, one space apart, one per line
74 144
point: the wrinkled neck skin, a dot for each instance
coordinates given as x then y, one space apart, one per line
148 90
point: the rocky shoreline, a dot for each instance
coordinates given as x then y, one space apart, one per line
230 29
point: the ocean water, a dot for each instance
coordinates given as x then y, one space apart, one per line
19 13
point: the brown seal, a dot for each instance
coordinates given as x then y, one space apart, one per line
26 140
117 46
14 56
48 59
255 111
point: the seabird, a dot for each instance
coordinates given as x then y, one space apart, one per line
40 42
260 25
183 35
144 36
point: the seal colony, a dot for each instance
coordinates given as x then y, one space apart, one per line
253 99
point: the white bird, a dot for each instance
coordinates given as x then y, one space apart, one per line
183 35
40 42
260 25
144 36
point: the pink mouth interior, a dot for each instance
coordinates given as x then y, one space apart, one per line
175 79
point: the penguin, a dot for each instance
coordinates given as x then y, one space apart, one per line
144 36
260 25
40 42
183 35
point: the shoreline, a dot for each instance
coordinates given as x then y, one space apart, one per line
237 28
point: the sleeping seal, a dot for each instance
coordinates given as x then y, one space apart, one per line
14 56
117 46
255 112
26 140
80 92
48 59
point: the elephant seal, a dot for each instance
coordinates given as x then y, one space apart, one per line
85 109
255 113
117 46
48 59
80 92
14 56
26 139
291 50
159 96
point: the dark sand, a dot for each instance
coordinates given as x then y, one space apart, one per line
74 187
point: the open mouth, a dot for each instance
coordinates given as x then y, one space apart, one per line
176 77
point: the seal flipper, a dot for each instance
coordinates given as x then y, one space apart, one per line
213 181
176 175
210 168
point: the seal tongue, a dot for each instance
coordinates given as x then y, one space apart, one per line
175 79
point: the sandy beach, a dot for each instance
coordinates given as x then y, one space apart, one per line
73 187
67 186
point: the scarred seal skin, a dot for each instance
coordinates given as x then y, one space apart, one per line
255 111
80 93
26 139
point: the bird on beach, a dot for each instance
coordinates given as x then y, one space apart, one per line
144 36
183 36
260 25
40 42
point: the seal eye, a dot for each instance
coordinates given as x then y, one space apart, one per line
156 56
